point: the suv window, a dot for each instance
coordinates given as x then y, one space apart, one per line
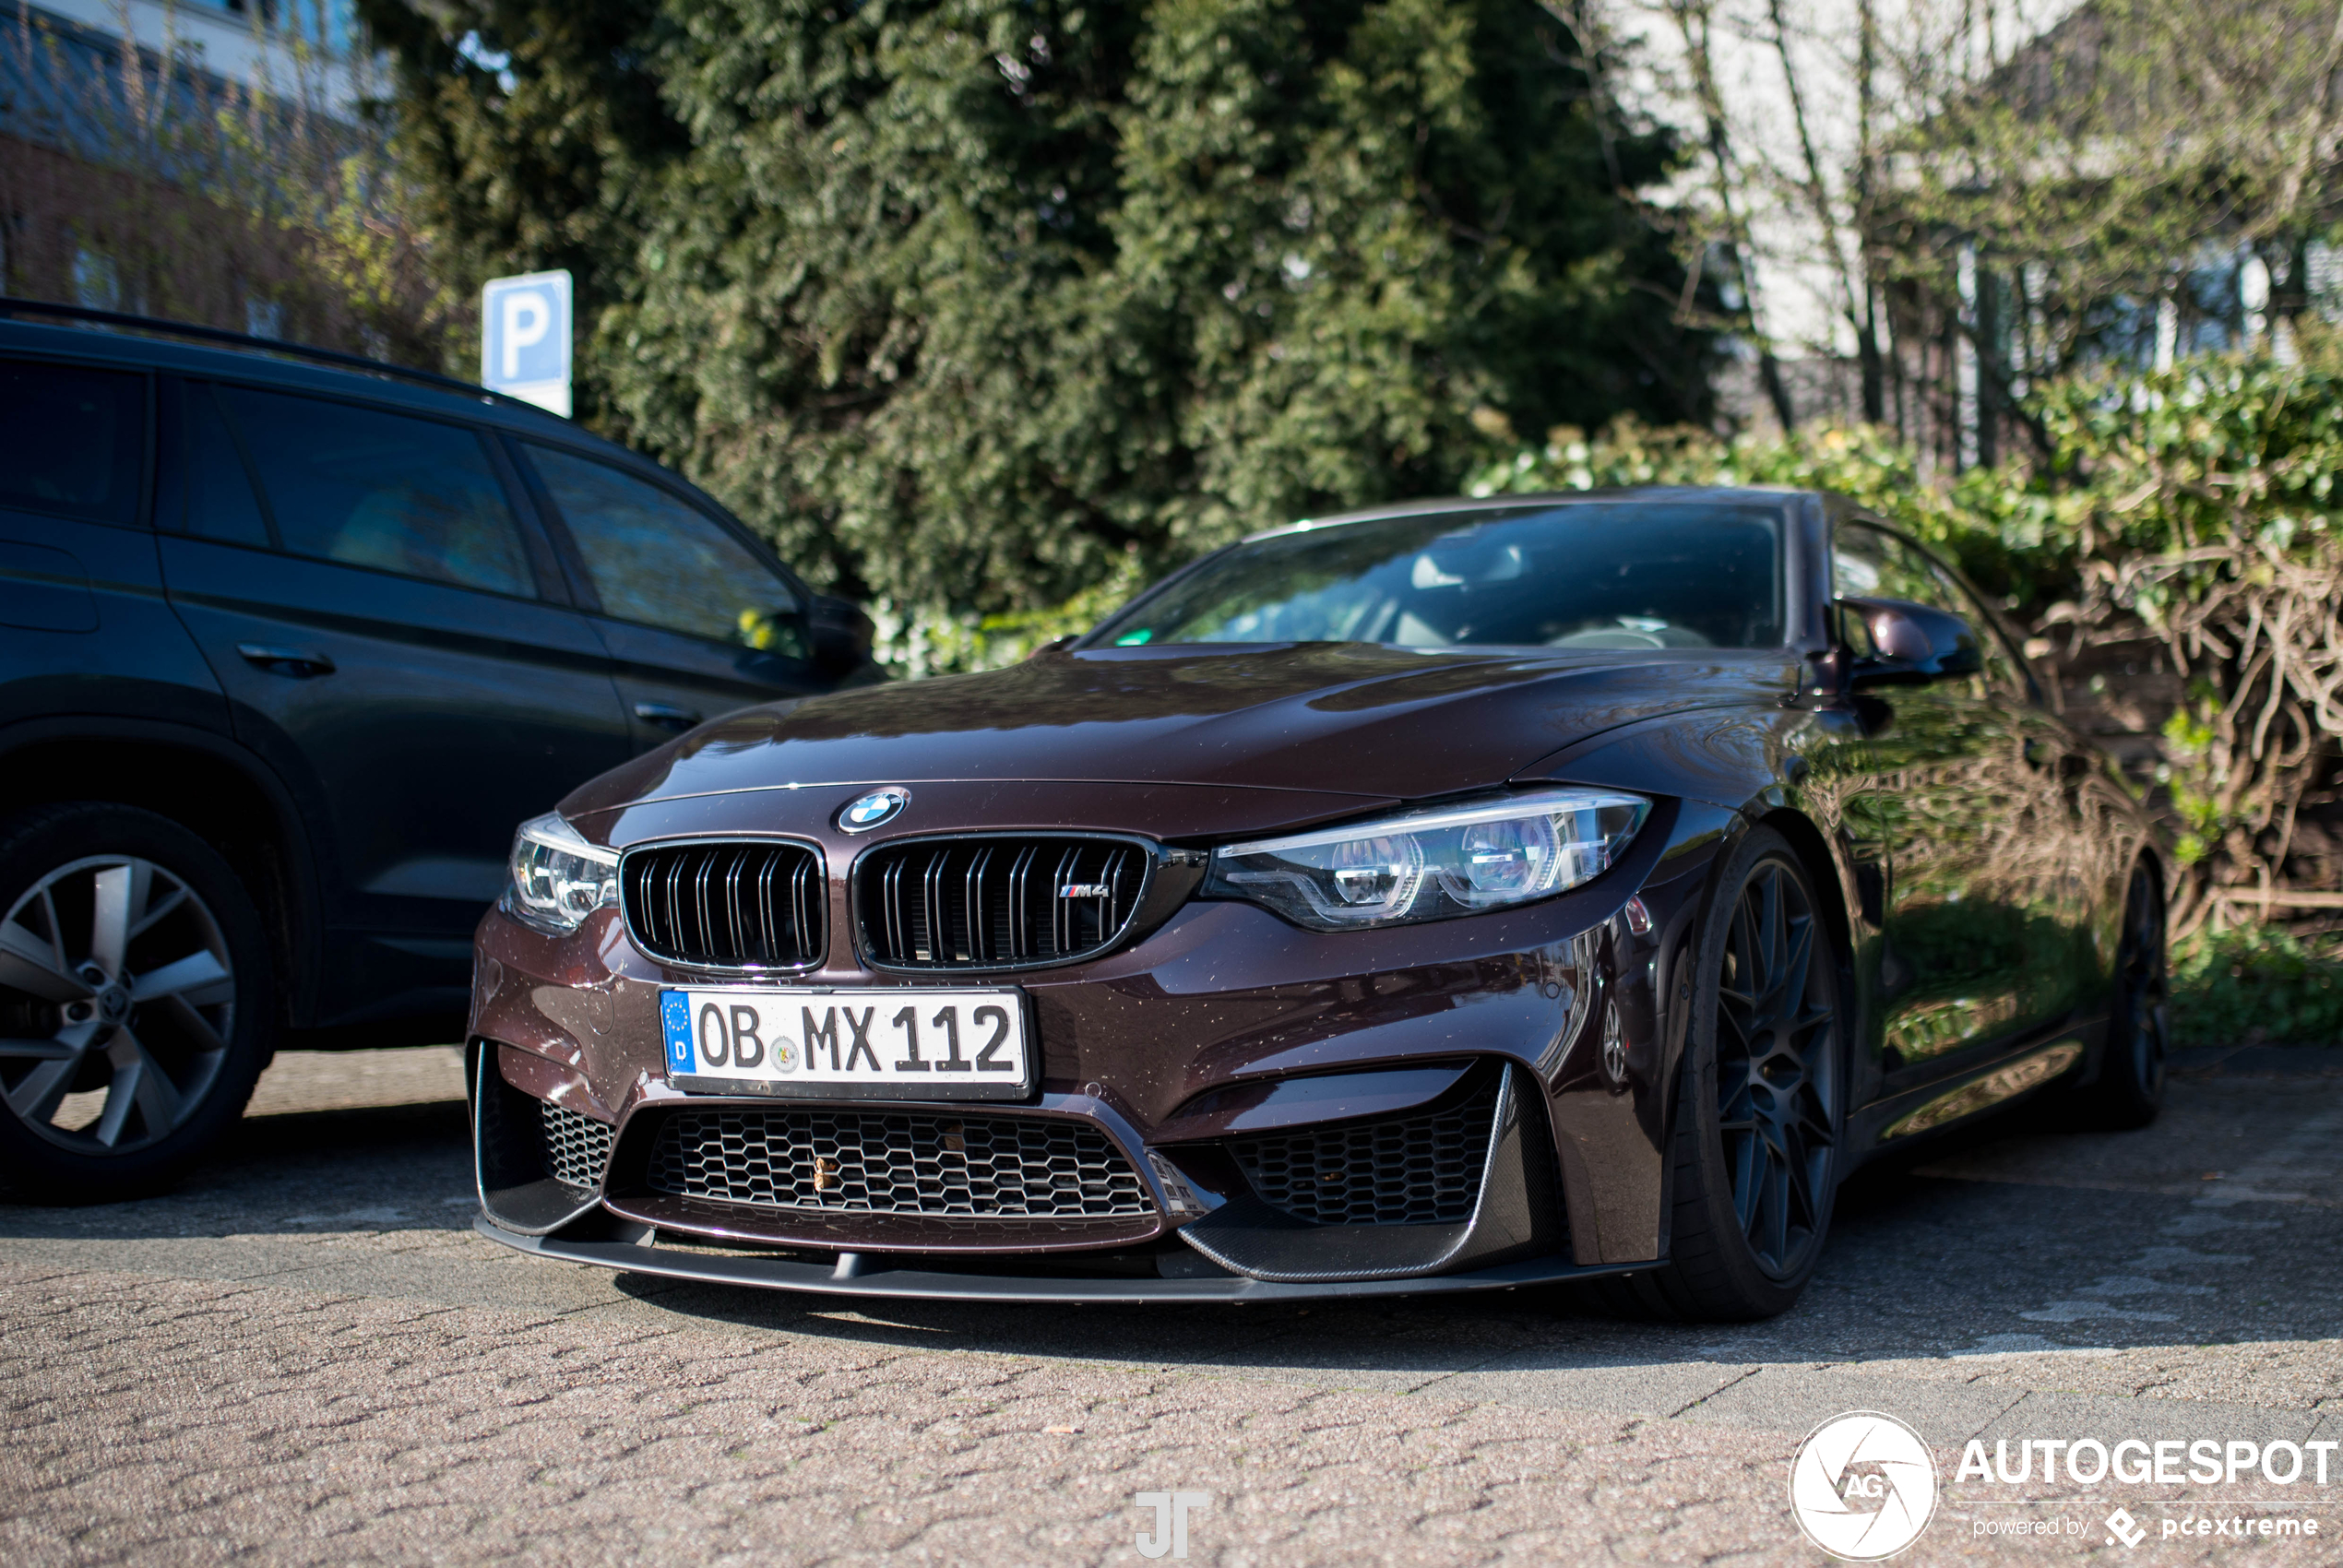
220 503
654 560
376 488
72 441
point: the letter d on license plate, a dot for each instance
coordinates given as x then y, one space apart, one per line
900 1044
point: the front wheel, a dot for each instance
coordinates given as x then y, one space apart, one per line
1760 1113
134 997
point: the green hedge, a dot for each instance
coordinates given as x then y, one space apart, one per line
2254 983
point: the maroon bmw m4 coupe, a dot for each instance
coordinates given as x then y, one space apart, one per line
1459 896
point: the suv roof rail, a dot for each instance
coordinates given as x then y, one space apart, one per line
11 306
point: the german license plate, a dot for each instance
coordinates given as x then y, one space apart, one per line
902 1044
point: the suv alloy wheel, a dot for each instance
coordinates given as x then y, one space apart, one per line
135 996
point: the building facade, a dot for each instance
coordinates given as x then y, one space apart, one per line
159 156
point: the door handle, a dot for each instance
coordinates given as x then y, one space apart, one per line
300 663
667 715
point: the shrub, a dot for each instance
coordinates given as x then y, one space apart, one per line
2256 983
2197 505
913 641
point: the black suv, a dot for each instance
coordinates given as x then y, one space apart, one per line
286 652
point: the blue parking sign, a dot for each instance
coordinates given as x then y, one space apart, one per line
525 339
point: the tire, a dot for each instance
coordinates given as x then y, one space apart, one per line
1760 1108
2130 1088
135 996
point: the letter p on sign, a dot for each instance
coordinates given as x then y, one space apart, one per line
523 327
525 339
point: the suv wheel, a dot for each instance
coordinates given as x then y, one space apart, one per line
134 997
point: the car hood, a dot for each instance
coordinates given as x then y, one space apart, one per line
1341 717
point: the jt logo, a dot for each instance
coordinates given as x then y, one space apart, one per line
1171 1521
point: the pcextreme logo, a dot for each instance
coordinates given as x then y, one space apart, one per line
1863 1486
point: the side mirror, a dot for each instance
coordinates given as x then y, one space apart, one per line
1896 642
840 635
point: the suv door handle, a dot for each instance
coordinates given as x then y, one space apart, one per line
300 663
666 714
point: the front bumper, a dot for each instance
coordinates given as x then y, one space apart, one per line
1197 1046
1478 1149
855 1276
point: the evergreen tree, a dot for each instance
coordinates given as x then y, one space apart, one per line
531 130
963 300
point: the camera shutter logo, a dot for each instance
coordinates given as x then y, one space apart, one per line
1863 1486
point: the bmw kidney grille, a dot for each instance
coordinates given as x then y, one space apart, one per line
996 903
735 905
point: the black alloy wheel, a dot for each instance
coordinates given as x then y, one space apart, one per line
1777 1093
2131 1080
133 999
1760 1114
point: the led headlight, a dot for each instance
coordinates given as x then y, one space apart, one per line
1428 865
558 878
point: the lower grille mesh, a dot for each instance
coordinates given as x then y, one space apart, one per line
1419 1169
849 1161
576 1146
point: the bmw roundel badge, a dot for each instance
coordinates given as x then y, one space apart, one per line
880 806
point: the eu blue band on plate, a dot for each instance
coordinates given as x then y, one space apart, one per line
676 1016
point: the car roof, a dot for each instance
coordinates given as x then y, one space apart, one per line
1542 498
390 386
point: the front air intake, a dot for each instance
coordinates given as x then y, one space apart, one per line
1422 1168
759 904
997 903
894 1162
576 1146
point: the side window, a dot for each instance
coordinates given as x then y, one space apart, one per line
376 488
1868 564
73 441
220 503
656 561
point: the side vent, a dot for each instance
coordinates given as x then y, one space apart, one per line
576 1146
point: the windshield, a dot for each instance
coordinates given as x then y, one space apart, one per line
1587 574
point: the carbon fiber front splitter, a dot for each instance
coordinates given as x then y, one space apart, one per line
869 1274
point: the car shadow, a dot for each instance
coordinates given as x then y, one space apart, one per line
2019 1234
2004 1237
369 1155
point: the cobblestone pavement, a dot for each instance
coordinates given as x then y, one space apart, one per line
305 1356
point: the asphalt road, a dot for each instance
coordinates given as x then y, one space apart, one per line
305 1356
